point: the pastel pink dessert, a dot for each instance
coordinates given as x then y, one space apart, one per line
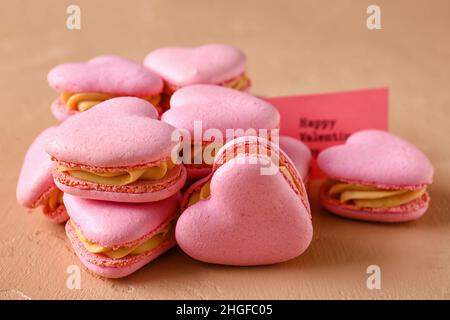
84 84
115 239
116 151
299 154
35 187
220 110
241 216
376 176
217 64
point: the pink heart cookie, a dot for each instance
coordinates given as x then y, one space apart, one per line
217 64
218 109
377 176
116 151
237 216
35 187
106 75
115 239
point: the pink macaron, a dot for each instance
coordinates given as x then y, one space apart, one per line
210 115
376 176
217 64
252 210
115 239
84 84
35 187
299 153
116 151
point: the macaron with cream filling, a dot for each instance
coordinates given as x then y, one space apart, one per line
240 216
220 110
376 176
116 151
82 85
218 64
35 187
115 239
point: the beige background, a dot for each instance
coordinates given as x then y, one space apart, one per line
293 47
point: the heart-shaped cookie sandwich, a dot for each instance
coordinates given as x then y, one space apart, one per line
35 187
84 84
376 176
115 239
218 64
252 209
221 110
116 151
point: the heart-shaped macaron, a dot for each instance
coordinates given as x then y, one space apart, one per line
35 186
224 110
114 239
207 64
84 84
116 151
240 216
377 176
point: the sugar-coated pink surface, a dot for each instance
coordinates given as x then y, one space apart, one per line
117 132
114 268
299 154
378 158
107 74
210 64
167 190
250 219
119 223
219 108
36 174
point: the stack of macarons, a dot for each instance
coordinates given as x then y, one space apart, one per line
177 151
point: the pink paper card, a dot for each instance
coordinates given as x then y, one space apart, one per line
324 120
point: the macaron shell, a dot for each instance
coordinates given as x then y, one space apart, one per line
57 216
378 158
36 174
60 111
250 219
209 64
219 108
158 190
114 268
118 223
409 212
106 74
118 132
299 154
197 173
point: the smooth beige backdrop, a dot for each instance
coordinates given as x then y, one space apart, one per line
294 47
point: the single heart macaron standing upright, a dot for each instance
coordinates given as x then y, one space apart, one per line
116 151
35 187
376 176
299 154
221 111
217 64
84 84
115 239
252 210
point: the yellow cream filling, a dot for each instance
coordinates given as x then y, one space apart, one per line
121 252
83 101
238 83
120 178
205 191
372 197
55 199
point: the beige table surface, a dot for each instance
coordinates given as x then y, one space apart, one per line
293 47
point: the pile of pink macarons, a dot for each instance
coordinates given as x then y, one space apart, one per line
129 174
